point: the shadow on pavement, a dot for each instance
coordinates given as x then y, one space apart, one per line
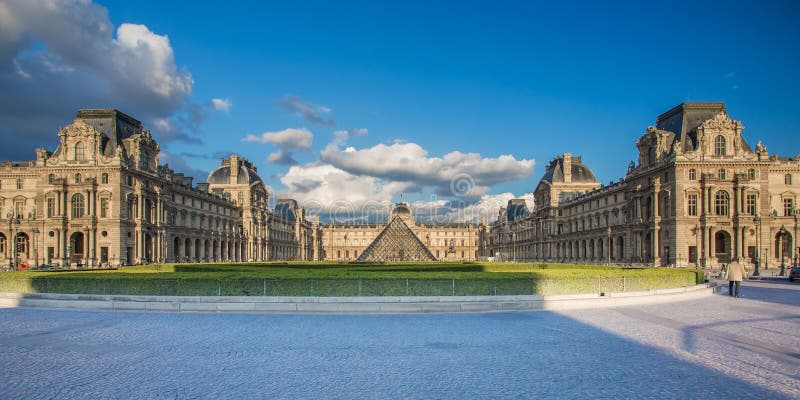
471 356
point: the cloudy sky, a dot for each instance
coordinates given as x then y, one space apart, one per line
349 106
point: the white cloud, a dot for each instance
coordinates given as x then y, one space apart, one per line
323 188
467 175
147 59
292 138
221 104
59 56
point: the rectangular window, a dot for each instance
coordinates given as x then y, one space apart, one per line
51 207
19 208
788 206
750 204
693 254
787 179
692 174
692 205
103 207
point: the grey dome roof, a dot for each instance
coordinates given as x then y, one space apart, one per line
580 172
401 208
222 176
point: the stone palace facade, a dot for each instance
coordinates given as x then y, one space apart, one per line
101 198
698 196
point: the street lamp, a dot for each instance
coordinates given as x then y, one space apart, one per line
13 225
757 222
514 245
782 246
608 242
36 247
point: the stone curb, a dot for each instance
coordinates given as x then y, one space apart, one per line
387 304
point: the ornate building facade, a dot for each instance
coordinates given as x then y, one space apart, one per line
699 195
101 198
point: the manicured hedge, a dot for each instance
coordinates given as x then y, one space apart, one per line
331 279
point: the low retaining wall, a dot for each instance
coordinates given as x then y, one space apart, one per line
382 304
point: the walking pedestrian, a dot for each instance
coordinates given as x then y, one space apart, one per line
734 275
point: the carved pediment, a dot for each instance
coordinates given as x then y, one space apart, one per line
721 122
78 128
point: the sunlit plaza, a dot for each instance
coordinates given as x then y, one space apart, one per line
721 347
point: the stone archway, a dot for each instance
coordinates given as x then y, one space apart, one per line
722 247
187 249
76 248
148 248
176 249
783 246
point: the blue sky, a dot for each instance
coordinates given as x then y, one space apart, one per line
526 79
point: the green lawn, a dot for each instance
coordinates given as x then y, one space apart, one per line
333 279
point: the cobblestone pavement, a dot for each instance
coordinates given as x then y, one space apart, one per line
717 347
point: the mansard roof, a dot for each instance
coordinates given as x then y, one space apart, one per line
113 124
516 209
287 209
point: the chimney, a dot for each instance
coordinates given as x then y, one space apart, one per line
567 164
234 169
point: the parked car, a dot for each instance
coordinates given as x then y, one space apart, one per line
794 273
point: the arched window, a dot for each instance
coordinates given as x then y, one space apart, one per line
722 202
719 145
77 205
80 151
692 174
78 178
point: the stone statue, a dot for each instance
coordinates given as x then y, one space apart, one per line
760 148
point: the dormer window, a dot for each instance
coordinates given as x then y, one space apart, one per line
80 151
719 146
145 158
